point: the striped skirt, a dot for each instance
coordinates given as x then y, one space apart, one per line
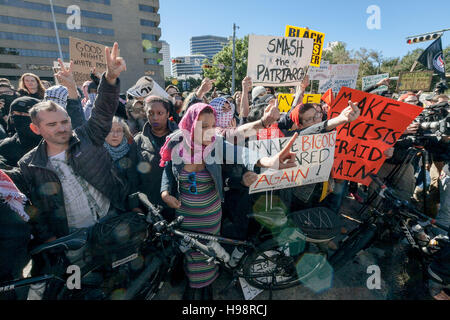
202 212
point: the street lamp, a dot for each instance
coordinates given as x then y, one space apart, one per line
56 31
233 74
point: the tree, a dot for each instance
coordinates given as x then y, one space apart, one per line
223 76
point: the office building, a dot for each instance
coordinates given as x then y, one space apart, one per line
207 45
189 65
28 41
166 61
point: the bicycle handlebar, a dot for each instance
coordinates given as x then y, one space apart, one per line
388 193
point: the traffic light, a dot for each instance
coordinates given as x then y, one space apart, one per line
430 36
174 61
207 66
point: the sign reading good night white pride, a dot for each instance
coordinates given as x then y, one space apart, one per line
278 61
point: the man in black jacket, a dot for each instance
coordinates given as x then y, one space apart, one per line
69 177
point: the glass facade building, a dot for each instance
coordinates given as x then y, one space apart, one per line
28 40
207 45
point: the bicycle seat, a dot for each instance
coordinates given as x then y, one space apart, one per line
318 224
274 218
73 241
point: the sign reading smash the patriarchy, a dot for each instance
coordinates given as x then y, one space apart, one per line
360 145
86 55
314 160
278 61
420 80
318 37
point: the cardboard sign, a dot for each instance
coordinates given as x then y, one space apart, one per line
420 80
318 37
360 145
341 75
320 73
314 160
278 61
372 80
86 55
285 100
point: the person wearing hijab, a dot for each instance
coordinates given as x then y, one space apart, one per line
15 232
192 173
15 147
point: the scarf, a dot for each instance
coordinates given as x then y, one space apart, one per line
118 152
223 119
181 142
12 196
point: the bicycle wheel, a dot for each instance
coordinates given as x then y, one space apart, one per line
273 266
147 285
348 249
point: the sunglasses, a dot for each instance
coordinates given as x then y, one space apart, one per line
192 178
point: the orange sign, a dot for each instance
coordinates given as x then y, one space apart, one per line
360 145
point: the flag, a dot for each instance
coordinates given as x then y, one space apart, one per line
433 59
328 97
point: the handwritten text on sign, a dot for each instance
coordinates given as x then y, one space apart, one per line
285 100
420 80
314 160
306 33
341 75
278 61
86 55
360 145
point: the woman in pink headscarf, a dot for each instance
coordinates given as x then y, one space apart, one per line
192 184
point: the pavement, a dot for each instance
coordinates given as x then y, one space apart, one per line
400 278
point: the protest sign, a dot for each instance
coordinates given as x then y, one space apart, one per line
320 73
285 100
420 80
372 80
278 61
360 145
314 160
145 87
341 75
318 37
86 55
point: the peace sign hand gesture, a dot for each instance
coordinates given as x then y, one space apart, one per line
115 65
66 79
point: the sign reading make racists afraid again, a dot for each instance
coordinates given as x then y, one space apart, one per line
278 61
360 145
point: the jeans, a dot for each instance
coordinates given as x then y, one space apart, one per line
443 216
334 200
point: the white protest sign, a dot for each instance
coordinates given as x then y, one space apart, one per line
249 291
146 86
278 61
371 80
341 75
314 160
320 73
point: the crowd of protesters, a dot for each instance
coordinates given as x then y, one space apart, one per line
70 157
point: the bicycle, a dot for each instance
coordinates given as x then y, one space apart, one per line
266 264
392 219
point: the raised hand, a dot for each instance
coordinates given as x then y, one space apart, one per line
205 87
66 79
351 113
247 84
271 113
282 160
115 65
249 178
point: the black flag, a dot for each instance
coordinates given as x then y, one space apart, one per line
433 58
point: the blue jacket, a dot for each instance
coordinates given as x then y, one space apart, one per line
171 174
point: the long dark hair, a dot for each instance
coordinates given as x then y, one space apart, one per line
40 86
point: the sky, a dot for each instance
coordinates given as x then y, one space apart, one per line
344 20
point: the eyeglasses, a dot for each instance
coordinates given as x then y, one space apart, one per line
192 178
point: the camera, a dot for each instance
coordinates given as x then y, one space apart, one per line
434 121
